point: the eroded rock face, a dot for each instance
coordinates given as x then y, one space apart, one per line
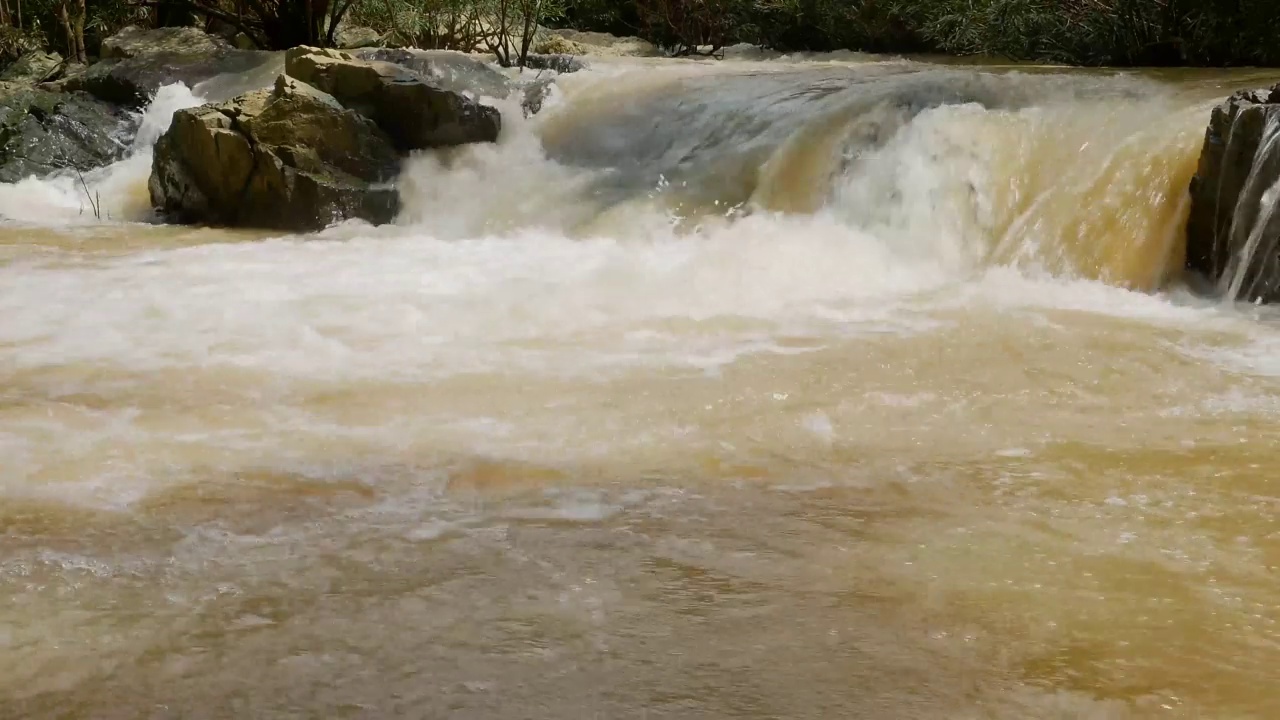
414 112
1233 230
42 132
556 62
291 159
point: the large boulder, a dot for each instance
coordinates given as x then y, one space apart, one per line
134 41
1233 230
556 62
416 113
349 37
33 67
291 159
42 132
137 62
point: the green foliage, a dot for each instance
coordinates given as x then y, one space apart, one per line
15 42
1085 32
505 28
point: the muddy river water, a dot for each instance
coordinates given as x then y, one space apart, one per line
837 388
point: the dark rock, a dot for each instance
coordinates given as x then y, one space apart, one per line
132 81
33 67
291 159
446 69
137 62
1233 233
535 94
42 132
57 78
559 63
415 113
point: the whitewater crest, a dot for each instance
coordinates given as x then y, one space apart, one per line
939 172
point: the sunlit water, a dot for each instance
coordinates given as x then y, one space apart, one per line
741 390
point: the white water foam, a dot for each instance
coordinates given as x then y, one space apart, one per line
120 188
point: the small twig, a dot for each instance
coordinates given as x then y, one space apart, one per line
95 201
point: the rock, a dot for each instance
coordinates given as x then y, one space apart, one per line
134 80
134 41
59 76
556 63
554 44
415 113
33 67
1232 232
350 37
290 159
42 132
445 68
598 43
137 62
535 94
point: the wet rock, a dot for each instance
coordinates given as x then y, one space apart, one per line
415 112
42 132
133 81
535 94
134 41
1233 231
556 63
59 77
446 69
33 67
291 159
137 62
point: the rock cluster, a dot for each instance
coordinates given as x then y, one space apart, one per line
321 147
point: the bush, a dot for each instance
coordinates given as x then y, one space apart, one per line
1080 32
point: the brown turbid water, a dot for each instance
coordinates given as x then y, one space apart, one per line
821 388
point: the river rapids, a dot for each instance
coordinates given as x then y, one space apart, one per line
831 387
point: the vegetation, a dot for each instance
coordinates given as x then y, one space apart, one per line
1086 32
505 28
1082 32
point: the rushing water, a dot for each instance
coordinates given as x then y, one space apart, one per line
823 389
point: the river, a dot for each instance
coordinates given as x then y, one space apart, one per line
838 387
